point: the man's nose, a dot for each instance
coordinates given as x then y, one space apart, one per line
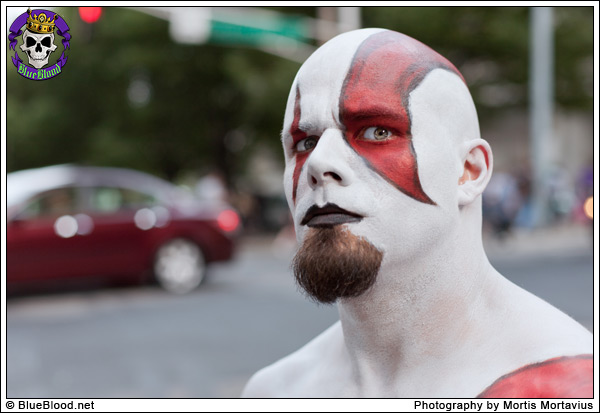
328 161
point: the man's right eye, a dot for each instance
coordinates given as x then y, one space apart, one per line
307 144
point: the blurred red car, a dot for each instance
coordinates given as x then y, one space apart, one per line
71 222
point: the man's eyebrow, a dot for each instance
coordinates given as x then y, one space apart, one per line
372 112
301 131
306 127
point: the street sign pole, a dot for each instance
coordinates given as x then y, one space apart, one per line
541 96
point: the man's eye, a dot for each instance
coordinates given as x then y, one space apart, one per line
307 144
376 133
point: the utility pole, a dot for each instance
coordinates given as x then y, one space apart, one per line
332 21
327 24
541 107
349 19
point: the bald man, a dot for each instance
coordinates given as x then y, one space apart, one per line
385 168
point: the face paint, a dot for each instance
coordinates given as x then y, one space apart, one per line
313 103
297 136
349 138
386 68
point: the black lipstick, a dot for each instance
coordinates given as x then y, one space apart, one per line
328 216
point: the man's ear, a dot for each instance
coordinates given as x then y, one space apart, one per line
477 169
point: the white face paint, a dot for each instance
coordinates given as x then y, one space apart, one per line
358 173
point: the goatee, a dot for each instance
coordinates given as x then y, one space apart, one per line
333 263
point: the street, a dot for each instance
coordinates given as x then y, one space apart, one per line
142 342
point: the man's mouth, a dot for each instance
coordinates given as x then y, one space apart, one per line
328 216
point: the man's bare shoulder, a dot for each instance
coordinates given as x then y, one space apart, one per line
523 330
299 373
537 319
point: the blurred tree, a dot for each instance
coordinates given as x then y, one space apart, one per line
130 97
490 46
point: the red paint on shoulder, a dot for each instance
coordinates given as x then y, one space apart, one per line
385 69
561 377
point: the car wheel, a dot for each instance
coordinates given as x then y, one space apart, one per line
179 266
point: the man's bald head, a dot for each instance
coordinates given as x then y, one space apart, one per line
366 77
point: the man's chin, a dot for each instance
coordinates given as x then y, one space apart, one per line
333 263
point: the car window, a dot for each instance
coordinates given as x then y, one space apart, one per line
110 199
135 199
53 203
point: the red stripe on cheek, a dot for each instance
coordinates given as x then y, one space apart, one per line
395 161
300 159
297 135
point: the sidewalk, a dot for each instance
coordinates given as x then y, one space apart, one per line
563 239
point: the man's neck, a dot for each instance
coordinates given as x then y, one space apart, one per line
418 311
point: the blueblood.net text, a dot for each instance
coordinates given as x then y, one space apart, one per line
50 405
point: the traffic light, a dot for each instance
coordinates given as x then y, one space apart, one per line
90 14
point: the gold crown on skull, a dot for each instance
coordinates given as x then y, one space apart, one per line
40 23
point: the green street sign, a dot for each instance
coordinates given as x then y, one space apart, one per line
227 28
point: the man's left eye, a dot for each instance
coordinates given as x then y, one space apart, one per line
376 133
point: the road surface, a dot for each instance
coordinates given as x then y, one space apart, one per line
142 342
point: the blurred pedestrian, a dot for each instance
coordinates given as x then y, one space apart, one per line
561 196
502 201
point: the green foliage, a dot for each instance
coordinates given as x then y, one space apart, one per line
574 56
129 96
490 46
186 99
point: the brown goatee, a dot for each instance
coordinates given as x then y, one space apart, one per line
333 263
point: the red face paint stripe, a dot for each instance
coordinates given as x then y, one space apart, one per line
385 69
561 377
297 135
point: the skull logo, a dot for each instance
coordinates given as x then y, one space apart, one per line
38 47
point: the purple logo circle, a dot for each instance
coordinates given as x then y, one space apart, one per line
41 27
